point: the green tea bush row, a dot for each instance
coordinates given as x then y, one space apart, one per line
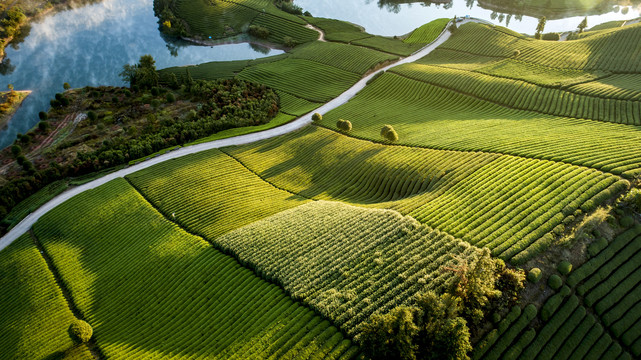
524 95
36 316
350 58
458 122
347 262
529 312
170 290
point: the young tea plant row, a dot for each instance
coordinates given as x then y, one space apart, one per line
210 193
600 321
306 79
427 115
347 262
345 57
618 86
151 290
526 96
35 316
608 51
324 165
428 32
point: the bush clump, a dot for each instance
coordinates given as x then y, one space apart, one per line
551 36
534 275
259 31
317 117
626 221
170 98
80 331
555 282
43 116
564 267
344 125
517 53
388 133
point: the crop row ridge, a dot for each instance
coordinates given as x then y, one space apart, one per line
91 344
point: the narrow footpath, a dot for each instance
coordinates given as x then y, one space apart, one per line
26 224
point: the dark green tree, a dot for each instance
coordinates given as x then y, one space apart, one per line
583 25
540 27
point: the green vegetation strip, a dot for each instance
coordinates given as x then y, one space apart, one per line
348 262
35 316
140 280
428 32
210 193
427 115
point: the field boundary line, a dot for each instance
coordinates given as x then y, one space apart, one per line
66 294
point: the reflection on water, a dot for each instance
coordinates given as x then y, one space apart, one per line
398 17
89 46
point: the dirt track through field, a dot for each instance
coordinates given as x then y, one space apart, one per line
26 224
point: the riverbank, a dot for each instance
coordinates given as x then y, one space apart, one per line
10 103
33 11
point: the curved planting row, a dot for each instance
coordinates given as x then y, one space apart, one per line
307 79
600 321
210 193
618 86
324 165
150 290
512 204
350 58
347 262
35 316
428 32
505 203
608 51
526 96
426 115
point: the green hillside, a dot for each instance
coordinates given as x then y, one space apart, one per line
150 289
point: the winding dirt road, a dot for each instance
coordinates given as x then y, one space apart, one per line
302 121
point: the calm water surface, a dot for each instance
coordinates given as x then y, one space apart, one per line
88 47
399 19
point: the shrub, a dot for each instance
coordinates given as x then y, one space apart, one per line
155 91
170 98
317 117
517 53
534 275
25 139
344 125
16 150
555 282
43 126
43 115
21 159
551 36
80 331
259 31
633 199
391 135
564 267
92 116
155 103
66 86
626 221
115 100
289 41
290 7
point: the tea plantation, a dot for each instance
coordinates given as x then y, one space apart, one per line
399 225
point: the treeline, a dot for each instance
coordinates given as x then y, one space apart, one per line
437 327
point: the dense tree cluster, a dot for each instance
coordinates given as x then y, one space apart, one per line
440 327
223 104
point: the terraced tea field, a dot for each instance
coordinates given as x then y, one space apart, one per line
598 319
220 308
310 244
